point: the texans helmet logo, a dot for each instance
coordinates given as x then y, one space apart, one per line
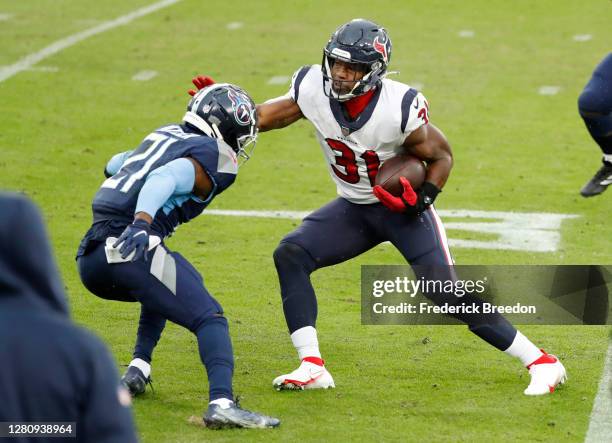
242 107
381 48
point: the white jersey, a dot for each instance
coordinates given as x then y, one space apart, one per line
355 149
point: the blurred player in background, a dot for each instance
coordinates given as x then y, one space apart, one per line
50 369
361 120
595 107
168 180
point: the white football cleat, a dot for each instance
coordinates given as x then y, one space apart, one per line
308 376
546 373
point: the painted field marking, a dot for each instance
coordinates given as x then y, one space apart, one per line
143 76
6 17
515 231
549 90
466 33
600 424
582 37
279 80
232 26
30 60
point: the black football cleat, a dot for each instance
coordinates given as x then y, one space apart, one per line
599 182
135 381
236 417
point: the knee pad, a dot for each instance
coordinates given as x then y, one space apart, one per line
290 255
216 319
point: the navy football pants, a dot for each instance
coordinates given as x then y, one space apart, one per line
342 230
595 105
168 287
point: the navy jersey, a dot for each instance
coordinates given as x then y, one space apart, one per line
115 202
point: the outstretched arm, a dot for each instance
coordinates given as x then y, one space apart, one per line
275 113
278 113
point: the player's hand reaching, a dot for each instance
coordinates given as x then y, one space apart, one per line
410 202
135 239
200 82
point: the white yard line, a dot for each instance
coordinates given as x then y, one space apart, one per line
232 26
600 425
279 80
549 90
5 17
582 37
515 231
143 76
466 33
30 60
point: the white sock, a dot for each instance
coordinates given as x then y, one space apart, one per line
142 365
305 342
223 402
608 158
523 349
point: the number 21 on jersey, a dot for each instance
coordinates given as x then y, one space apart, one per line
128 176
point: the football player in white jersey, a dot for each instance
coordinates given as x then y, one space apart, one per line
362 119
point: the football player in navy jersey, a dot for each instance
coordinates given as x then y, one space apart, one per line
168 180
361 120
595 107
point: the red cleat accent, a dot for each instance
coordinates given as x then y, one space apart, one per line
301 383
544 358
314 360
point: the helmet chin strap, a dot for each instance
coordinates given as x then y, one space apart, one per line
349 95
389 73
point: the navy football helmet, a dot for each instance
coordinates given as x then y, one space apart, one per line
226 112
360 42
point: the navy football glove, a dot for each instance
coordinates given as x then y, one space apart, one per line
134 238
426 195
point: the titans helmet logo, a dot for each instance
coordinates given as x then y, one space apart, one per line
243 109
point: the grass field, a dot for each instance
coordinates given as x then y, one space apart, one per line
515 151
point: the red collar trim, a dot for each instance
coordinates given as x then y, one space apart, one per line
356 105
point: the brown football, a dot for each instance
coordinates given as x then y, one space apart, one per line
403 165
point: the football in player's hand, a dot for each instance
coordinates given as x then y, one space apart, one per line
403 165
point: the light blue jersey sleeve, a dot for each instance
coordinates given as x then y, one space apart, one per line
173 179
115 163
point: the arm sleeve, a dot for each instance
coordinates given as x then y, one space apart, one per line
174 178
115 163
106 416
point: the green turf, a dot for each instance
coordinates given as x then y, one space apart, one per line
514 151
